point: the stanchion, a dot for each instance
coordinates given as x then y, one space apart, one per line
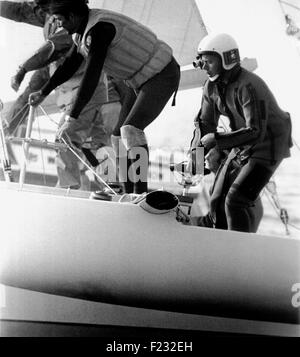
5 162
26 144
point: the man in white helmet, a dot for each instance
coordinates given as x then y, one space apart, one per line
260 129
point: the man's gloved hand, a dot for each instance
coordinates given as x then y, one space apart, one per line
36 98
17 79
182 217
67 131
209 141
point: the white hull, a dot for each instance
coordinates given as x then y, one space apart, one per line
112 254
33 314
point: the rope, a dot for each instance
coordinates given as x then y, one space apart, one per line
295 227
47 115
20 110
274 205
22 118
87 166
78 156
296 144
280 212
281 6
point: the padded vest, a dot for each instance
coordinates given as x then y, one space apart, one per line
135 54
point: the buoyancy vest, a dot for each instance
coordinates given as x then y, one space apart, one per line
135 54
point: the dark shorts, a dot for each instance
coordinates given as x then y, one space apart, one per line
151 98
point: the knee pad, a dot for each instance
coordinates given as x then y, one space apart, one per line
118 146
132 136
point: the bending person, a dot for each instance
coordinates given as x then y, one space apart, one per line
260 129
125 50
98 118
32 13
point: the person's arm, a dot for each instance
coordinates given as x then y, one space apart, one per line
64 72
60 43
206 122
208 116
22 12
101 36
53 49
254 110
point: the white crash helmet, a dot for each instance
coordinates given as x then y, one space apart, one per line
222 44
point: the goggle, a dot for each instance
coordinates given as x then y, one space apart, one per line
198 63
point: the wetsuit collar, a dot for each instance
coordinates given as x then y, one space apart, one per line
230 76
83 25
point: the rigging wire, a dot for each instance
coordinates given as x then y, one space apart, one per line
288 4
281 7
295 227
68 146
296 144
271 190
47 115
276 210
87 166
78 156
24 115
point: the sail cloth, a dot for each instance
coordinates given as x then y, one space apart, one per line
176 22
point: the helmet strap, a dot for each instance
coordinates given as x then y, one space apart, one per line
214 78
